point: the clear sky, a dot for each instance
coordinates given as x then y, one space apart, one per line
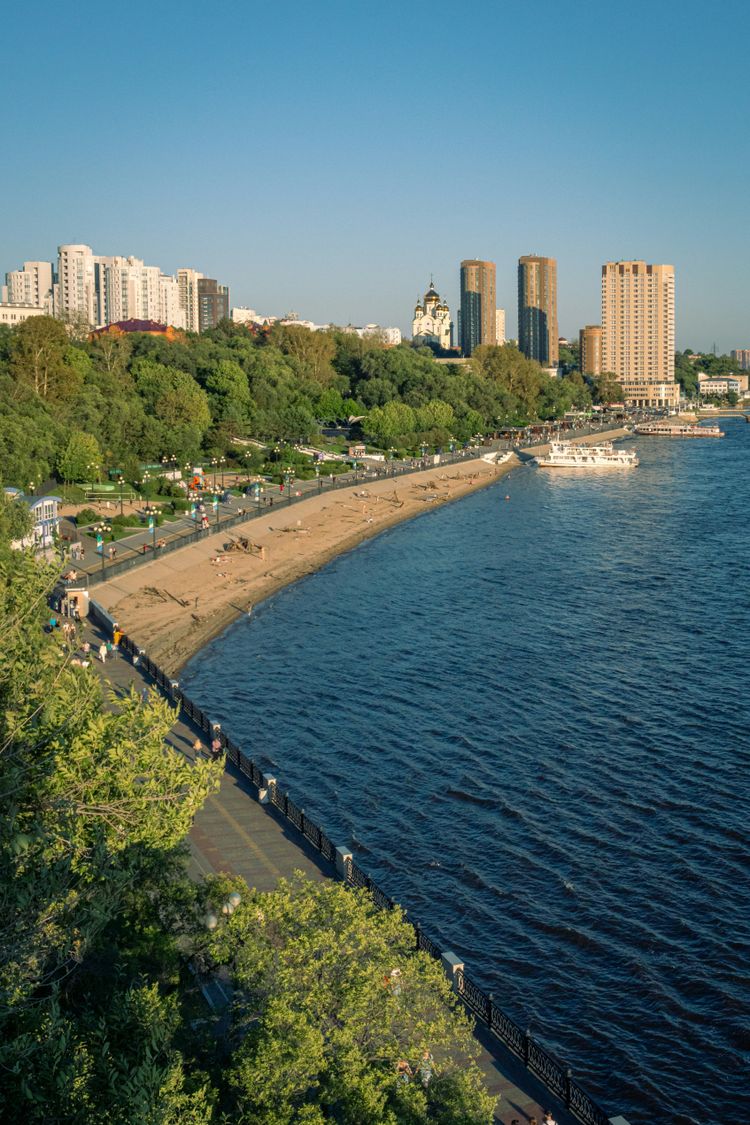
329 157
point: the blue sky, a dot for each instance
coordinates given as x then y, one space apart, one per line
329 157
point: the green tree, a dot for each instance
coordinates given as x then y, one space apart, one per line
39 349
228 391
336 1006
81 460
311 351
605 388
93 809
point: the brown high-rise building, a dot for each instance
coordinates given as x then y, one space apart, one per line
477 313
590 344
537 309
213 303
638 322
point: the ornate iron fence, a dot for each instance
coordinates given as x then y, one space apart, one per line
555 1077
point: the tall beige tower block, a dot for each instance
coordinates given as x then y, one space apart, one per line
590 341
638 336
538 332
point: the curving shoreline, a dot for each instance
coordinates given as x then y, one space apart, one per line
176 605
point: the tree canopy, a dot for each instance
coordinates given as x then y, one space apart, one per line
138 398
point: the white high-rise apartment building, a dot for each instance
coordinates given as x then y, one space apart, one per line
31 286
170 312
128 290
500 326
638 333
77 282
187 281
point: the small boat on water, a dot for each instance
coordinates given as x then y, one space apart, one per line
677 429
567 455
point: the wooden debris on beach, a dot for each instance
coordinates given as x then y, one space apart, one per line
392 500
180 601
153 592
246 545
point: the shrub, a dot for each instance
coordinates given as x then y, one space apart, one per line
86 516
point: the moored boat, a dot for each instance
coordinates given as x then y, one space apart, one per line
568 455
677 429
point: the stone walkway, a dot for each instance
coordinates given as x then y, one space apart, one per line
234 833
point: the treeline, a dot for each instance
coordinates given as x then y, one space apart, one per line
686 369
67 404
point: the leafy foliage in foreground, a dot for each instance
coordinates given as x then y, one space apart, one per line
94 810
335 1017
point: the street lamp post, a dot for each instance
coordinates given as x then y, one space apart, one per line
151 513
228 908
214 463
317 477
32 488
100 530
120 482
222 463
289 477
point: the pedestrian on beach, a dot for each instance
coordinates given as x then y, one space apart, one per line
103 652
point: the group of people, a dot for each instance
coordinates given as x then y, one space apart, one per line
216 749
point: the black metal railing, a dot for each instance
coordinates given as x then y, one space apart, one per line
553 1075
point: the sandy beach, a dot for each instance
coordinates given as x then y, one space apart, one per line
173 606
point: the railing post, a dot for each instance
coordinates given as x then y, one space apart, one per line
452 967
343 859
490 1007
265 792
526 1047
568 1083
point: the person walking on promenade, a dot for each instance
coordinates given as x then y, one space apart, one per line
86 648
216 749
548 1119
103 652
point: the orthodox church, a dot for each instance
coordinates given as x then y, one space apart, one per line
432 321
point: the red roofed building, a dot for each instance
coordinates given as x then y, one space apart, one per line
149 327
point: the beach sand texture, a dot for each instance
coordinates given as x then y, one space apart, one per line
172 607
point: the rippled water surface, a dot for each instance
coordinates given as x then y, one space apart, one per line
529 717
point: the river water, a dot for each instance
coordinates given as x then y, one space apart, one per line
528 714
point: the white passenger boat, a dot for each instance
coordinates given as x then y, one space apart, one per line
677 429
567 455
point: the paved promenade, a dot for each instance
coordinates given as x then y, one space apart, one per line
234 833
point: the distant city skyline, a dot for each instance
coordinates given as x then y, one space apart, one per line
329 192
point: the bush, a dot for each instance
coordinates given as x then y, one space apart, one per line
86 516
